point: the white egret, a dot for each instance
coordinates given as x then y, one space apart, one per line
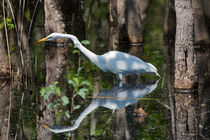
117 62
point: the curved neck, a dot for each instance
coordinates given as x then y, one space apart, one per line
90 55
88 110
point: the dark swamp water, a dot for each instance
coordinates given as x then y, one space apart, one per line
94 106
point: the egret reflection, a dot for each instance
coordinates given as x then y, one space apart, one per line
115 98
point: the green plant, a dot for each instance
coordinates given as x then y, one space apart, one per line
81 88
61 100
8 23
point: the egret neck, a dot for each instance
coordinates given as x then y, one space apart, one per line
90 55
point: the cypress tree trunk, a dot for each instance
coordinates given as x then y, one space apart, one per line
4 91
185 84
126 34
56 61
202 54
169 41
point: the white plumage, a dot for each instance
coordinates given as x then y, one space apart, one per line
117 62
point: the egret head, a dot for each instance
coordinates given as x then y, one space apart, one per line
54 36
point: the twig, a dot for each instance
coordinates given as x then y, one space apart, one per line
32 19
108 121
205 138
166 106
16 29
6 34
20 111
10 107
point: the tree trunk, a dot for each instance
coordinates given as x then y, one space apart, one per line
185 84
4 91
202 55
169 41
126 34
56 61
185 68
4 62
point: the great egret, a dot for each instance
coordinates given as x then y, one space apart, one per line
117 62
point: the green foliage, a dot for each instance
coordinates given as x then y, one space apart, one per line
8 23
85 42
51 89
81 86
54 89
65 100
28 15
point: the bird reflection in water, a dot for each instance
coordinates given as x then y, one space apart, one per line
115 98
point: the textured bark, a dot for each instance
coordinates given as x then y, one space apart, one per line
186 116
4 112
186 80
4 62
121 126
169 38
56 61
185 66
202 55
133 21
204 93
117 20
143 4
4 91
201 35
126 34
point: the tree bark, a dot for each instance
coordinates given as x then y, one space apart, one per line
169 41
4 91
185 68
4 62
56 61
126 34
201 35
202 55
186 80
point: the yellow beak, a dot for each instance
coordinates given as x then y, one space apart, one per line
45 126
42 40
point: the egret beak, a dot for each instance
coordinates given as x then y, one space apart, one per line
42 40
45 126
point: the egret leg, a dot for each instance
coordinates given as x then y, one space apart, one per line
120 77
120 83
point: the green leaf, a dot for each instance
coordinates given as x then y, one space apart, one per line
84 83
58 91
76 107
67 114
27 15
96 132
76 81
75 51
65 100
52 105
55 83
42 91
82 92
71 82
85 42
